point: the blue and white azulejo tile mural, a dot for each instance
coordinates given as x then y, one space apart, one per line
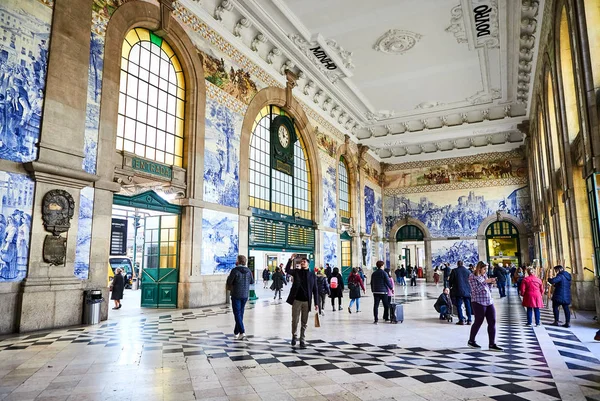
16 192
329 196
458 212
23 65
330 248
222 154
84 233
92 114
369 256
219 242
453 251
369 209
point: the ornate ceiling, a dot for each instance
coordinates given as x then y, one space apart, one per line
411 79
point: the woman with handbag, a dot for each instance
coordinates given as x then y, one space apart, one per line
355 284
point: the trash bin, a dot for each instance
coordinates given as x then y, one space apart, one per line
91 306
135 283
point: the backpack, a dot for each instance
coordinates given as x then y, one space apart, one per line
334 283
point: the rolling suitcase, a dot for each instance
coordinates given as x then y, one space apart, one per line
396 311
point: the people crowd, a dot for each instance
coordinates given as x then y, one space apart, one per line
467 292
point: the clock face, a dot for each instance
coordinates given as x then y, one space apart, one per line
284 136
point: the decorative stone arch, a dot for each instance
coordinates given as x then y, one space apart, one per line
503 216
156 18
410 221
152 17
277 97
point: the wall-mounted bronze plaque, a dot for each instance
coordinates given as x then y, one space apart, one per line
55 249
57 211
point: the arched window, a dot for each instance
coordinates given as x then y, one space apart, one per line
409 233
568 78
501 228
552 117
151 99
272 189
544 153
344 192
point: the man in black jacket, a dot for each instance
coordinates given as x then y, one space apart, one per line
446 271
380 283
238 283
303 291
461 291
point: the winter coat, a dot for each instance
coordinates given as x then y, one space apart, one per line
459 282
336 292
278 281
355 284
380 282
266 275
239 281
443 299
562 288
118 285
323 285
532 290
313 293
390 291
500 274
447 270
402 272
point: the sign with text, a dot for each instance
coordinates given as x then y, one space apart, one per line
151 167
323 58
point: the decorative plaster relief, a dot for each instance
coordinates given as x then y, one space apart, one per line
483 24
397 41
308 49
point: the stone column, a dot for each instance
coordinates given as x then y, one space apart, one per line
51 295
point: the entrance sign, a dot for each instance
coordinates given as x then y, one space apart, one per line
151 167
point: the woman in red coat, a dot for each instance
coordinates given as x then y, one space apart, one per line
532 290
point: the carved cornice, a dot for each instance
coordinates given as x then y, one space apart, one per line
529 13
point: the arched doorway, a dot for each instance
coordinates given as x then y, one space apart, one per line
503 244
410 246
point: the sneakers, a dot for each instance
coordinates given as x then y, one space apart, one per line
375 322
237 336
460 323
302 344
494 347
243 337
528 325
357 311
340 308
468 322
294 341
537 325
349 311
473 344
554 323
566 325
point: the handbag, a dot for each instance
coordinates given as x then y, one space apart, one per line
317 320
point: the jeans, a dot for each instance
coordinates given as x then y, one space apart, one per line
502 289
402 281
489 313
398 279
508 280
386 311
459 304
555 307
322 298
530 312
377 298
443 310
352 301
446 283
299 309
238 305
276 292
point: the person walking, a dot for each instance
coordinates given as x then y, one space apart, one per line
278 282
397 274
387 313
303 294
413 277
500 275
379 287
402 276
355 284
323 288
461 290
336 285
266 275
532 291
327 271
446 270
443 305
483 306
117 287
561 295
239 280
436 276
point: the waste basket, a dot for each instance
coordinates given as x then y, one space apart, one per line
135 283
91 306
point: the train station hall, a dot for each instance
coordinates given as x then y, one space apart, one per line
299 200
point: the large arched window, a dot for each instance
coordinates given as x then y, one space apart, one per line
344 192
568 78
271 189
151 99
544 153
552 117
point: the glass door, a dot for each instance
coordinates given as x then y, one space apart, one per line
160 261
346 242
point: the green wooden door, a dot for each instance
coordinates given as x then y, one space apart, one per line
160 261
346 242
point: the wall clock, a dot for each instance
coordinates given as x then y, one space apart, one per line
283 138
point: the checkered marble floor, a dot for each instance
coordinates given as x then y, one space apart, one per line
191 354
